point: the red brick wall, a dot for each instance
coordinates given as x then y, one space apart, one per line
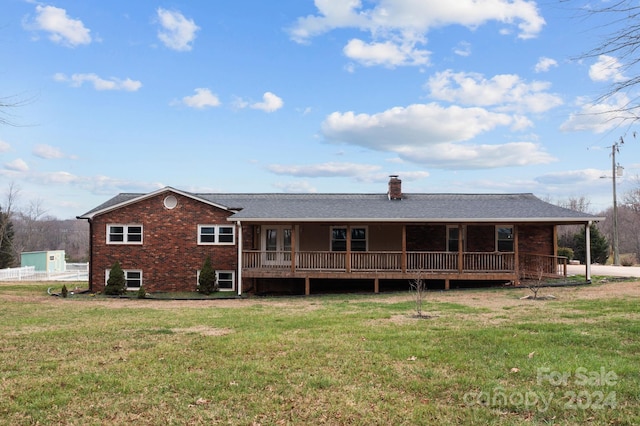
170 255
481 238
426 237
538 239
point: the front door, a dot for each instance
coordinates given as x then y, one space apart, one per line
277 244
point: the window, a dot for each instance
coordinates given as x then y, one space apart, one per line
226 280
504 238
453 238
216 234
124 234
133 277
339 239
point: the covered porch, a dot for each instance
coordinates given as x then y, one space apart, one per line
275 253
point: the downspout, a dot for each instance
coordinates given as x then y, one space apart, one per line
90 254
587 260
239 258
90 263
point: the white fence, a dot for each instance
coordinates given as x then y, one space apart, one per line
73 272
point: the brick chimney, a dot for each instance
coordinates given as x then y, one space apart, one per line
395 188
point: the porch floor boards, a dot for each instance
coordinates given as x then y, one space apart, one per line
439 275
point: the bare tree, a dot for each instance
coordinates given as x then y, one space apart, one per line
419 289
621 46
532 274
566 232
9 103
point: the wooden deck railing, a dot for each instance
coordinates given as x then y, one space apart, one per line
540 266
393 262
432 261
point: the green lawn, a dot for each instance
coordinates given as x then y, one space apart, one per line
483 357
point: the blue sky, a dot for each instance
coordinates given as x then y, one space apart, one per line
306 96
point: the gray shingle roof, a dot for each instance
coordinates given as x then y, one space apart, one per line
378 208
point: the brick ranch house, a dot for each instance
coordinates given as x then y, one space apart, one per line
305 243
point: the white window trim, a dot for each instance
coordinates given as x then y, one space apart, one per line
233 279
217 235
125 233
107 272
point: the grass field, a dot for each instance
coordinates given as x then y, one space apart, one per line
482 357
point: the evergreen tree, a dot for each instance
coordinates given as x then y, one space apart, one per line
599 246
116 284
6 244
207 280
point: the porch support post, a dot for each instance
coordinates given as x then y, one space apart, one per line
376 285
347 261
293 248
587 251
307 286
555 251
446 283
404 249
460 250
239 275
516 253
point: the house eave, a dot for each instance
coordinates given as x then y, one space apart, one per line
143 197
564 221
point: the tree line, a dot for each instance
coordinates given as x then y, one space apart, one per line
30 228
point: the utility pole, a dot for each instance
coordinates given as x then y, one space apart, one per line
614 172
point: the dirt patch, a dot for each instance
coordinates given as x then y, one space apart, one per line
203 330
491 299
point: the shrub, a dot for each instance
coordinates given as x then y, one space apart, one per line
64 291
207 280
566 252
142 293
116 284
628 260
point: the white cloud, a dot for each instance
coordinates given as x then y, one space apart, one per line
296 187
61 28
397 26
77 80
202 99
385 53
599 117
4 146
505 92
416 124
433 135
177 32
239 103
463 49
331 169
360 172
17 165
410 176
606 68
544 64
474 156
60 177
571 177
47 152
270 103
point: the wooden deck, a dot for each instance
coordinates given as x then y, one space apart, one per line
485 266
